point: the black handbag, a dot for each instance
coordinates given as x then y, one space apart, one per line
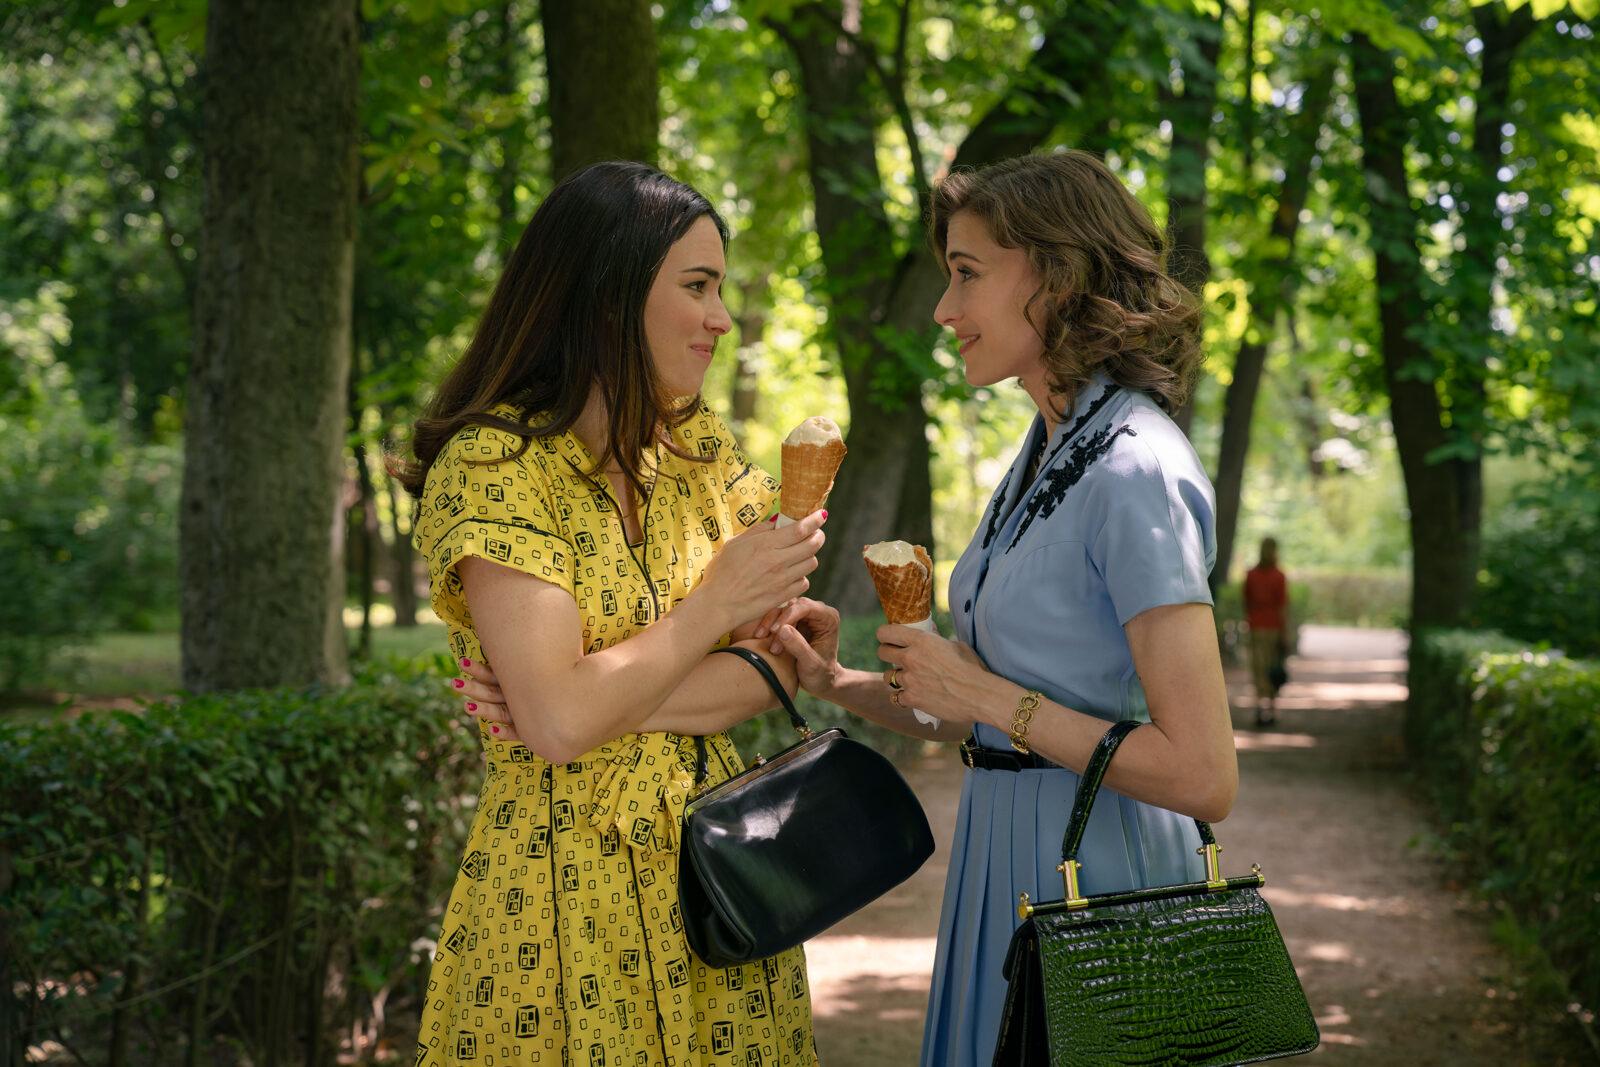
1180 974
800 840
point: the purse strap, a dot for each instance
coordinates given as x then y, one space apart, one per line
755 660
1089 786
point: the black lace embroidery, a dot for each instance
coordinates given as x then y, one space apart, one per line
1084 453
999 503
1062 441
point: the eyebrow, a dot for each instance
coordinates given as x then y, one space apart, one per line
712 271
953 256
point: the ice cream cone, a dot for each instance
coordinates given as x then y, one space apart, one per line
811 456
903 576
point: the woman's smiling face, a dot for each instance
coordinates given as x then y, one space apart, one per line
683 315
986 302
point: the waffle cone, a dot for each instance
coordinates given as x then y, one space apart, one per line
906 590
808 471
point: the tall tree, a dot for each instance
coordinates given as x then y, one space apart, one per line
1271 290
1189 109
1438 368
881 298
1441 482
261 556
602 83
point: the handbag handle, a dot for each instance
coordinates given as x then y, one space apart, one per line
1083 803
795 718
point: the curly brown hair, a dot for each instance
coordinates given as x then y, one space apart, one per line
1105 300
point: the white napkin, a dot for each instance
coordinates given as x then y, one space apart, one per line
931 721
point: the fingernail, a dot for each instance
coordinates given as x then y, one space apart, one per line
824 516
465 662
458 683
471 706
494 729
761 631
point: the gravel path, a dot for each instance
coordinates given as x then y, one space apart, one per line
1396 958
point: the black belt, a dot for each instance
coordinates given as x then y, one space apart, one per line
993 759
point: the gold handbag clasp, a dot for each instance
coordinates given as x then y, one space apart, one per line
1214 879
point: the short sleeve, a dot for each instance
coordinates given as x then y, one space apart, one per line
478 501
751 492
1157 540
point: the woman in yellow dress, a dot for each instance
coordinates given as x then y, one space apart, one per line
592 535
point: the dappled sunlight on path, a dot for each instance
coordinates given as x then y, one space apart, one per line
1397 962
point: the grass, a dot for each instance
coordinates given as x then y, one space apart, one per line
119 666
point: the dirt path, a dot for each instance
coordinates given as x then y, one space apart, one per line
1396 960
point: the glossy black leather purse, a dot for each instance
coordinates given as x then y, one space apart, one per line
779 853
1180 974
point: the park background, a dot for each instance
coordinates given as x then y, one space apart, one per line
239 241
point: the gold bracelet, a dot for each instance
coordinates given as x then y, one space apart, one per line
1021 718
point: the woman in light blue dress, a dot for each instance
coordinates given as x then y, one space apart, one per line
1082 598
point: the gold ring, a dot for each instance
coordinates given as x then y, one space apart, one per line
891 678
894 697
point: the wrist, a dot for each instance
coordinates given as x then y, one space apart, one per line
999 703
707 614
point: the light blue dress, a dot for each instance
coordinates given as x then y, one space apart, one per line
1119 520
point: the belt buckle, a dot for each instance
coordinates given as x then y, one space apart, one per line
966 751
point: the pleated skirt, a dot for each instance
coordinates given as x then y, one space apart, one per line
1008 841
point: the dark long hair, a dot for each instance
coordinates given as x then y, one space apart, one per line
1105 300
568 315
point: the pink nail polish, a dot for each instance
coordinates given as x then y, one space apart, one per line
465 662
494 729
471 706
458 683
824 516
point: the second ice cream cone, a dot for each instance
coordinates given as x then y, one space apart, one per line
903 576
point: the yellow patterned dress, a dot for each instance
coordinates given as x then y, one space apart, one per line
562 943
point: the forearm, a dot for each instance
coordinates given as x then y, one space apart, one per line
1152 765
613 692
722 691
863 693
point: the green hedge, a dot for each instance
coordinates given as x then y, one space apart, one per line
241 877
1508 741
229 878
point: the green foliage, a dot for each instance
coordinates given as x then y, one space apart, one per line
1538 571
1508 742
86 513
254 868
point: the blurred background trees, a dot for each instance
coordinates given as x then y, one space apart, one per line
1389 210
1388 207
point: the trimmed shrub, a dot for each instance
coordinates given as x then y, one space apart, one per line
239 875
1508 741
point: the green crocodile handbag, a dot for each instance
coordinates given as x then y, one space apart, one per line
1179 974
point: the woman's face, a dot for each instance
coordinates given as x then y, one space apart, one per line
683 315
985 304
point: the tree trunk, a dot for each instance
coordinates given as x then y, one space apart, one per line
1443 519
880 303
515 134
402 556
746 388
1502 35
264 440
603 95
1272 289
1190 113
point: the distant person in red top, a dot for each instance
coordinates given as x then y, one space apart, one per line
1266 610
